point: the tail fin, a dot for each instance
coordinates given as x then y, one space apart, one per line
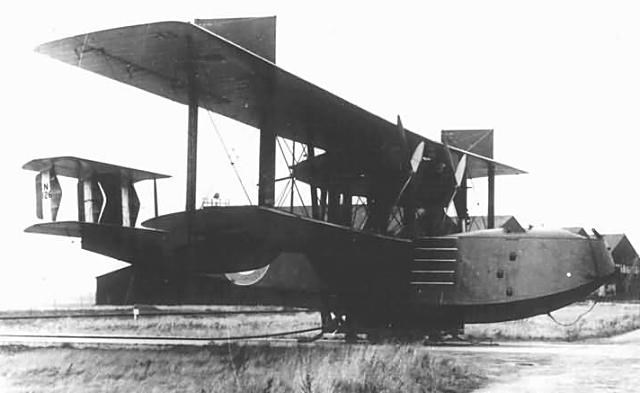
474 141
48 195
90 200
106 194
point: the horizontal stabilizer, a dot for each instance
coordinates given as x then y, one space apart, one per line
81 168
123 243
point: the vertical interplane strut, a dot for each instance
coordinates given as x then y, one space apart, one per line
491 180
192 142
267 167
315 211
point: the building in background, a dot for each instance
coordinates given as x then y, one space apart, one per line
508 223
627 282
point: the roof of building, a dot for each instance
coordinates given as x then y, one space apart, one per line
621 248
477 223
613 240
577 230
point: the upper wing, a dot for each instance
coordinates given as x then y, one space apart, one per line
232 81
478 166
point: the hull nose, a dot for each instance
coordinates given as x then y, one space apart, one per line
524 274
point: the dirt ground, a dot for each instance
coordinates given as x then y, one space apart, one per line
602 365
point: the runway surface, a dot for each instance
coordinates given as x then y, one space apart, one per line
607 365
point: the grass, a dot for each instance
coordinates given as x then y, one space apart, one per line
221 368
263 368
604 320
187 325
235 368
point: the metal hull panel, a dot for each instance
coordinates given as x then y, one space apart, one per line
519 267
483 276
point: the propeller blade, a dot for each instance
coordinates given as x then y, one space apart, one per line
462 166
404 187
458 176
396 150
403 135
416 157
449 156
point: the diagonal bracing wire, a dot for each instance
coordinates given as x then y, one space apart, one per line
291 178
233 165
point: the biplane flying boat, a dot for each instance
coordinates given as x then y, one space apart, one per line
374 249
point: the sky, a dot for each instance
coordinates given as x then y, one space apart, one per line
558 81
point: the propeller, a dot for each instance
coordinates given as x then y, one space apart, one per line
403 136
414 160
458 174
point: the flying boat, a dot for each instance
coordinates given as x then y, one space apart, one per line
375 246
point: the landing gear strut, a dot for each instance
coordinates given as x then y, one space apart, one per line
339 322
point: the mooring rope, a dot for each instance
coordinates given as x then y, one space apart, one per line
163 338
576 320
